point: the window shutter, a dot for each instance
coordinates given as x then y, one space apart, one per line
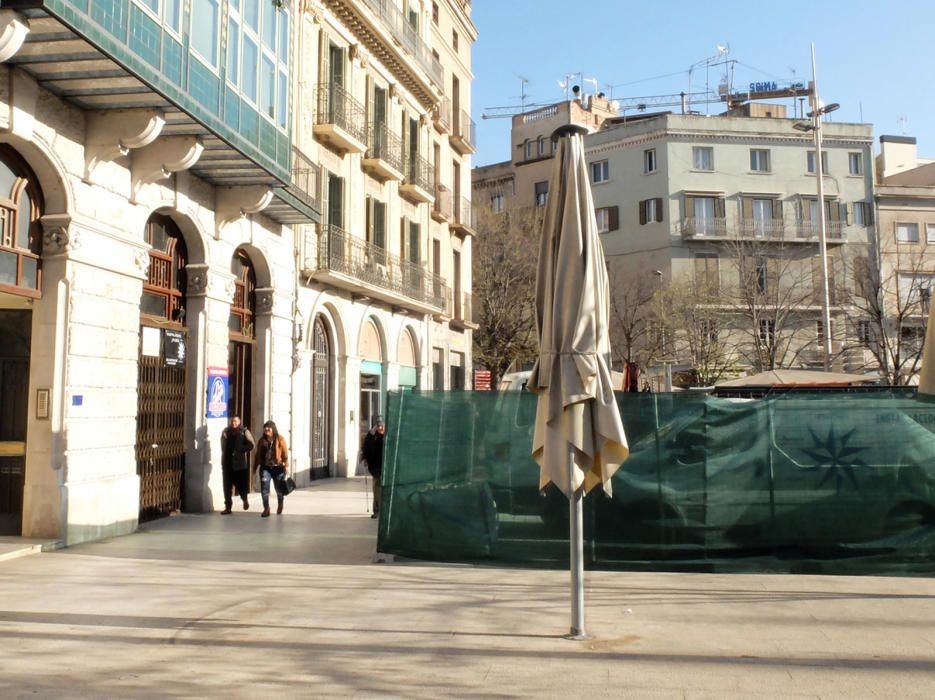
777 209
324 48
379 224
368 101
642 212
772 278
613 218
746 207
402 237
369 222
689 208
816 281
869 210
847 212
843 213
833 211
805 209
701 271
719 211
658 208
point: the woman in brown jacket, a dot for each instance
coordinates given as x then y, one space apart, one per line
272 459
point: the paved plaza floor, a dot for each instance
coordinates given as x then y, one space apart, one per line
294 606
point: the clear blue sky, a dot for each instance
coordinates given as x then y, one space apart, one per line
875 58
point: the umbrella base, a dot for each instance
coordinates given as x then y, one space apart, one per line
577 635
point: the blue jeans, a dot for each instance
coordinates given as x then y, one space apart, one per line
268 474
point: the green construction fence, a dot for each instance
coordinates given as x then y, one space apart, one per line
825 483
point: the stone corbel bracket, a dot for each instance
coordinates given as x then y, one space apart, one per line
167 155
234 203
13 30
59 237
112 133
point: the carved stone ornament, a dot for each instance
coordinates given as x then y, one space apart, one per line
229 288
197 282
264 301
60 239
141 260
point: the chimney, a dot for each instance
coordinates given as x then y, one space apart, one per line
897 154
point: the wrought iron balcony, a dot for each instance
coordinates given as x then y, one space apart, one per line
419 181
464 134
443 116
770 229
463 223
340 120
713 227
306 180
409 37
808 230
384 156
441 209
374 272
462 312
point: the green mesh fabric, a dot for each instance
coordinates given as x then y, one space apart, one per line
825 483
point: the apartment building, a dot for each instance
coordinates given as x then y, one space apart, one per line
385 279
905 210
715 200
214 209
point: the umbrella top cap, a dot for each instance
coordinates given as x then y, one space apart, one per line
568 130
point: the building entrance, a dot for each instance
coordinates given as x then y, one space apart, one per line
161 388
15 329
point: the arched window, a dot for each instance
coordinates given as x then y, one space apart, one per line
164 289
20 230
243 305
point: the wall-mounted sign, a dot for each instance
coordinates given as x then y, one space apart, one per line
152 338
217 392
42 404
174 348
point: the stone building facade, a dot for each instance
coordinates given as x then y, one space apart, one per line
161 262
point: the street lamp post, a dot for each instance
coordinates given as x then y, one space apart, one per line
818 110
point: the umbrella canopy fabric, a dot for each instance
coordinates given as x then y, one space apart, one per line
798 377
572 377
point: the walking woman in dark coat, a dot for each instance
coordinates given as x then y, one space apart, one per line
373 455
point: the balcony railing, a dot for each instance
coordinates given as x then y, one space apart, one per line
339 251
306 180
441 209
336 106
766 228
464 134
419 172
834 230
384 145
714 226
443 115
462 311
464 215
407 35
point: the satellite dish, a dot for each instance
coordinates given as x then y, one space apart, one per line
591 81
723 48
615 105
563 84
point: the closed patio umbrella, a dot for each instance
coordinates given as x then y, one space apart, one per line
579 440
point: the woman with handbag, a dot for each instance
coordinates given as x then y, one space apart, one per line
272 459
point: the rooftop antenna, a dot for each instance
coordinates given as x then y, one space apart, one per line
524 81
902 123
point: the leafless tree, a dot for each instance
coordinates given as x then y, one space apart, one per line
695 318
632 329
887 307
505 254
773 299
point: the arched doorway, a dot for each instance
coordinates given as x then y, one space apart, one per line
21 207
321 402
242 341
162 395
407 357
371 375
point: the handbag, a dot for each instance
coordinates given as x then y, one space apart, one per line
285 485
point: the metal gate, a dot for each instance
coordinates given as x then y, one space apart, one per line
160 437
321 423
15 330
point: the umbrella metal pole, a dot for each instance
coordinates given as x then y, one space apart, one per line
576 545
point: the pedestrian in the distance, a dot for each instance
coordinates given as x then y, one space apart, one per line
373 456
236 443
272 459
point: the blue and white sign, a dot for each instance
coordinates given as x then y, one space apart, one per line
217 392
